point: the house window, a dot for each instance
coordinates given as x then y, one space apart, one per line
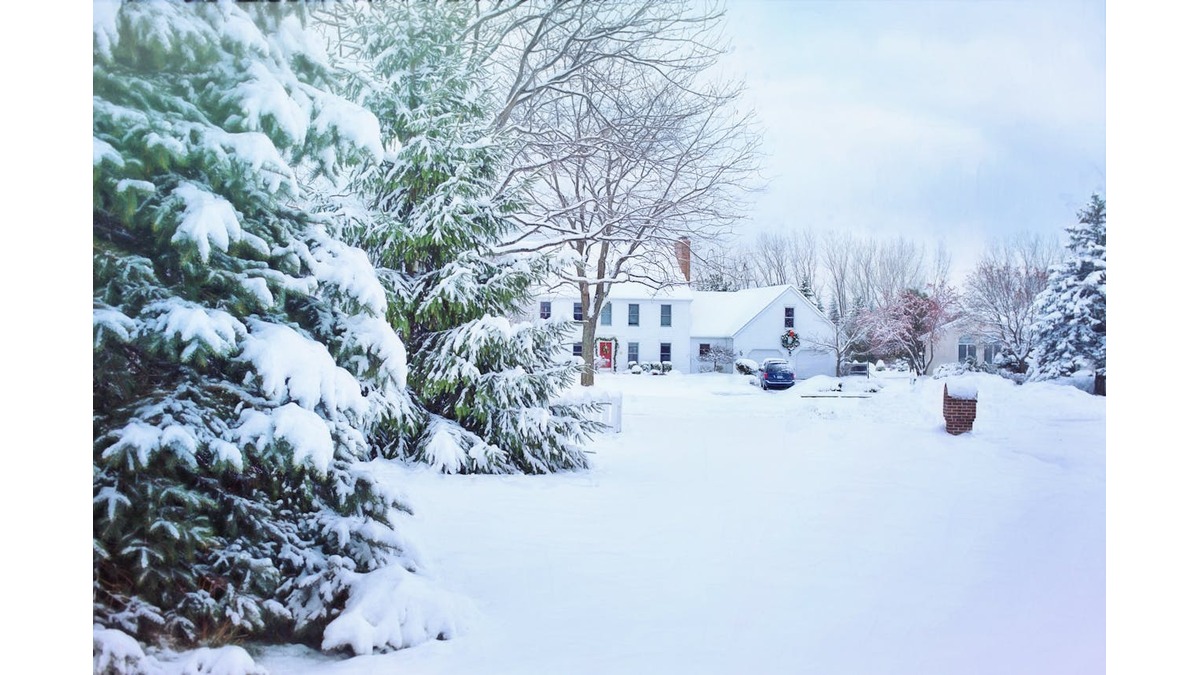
789 317
579 311
606 314
545 310
634 314
704 349
665 319
577 349
966 349
633 352
664 351
990 351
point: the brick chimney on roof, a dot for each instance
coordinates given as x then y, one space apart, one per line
683 255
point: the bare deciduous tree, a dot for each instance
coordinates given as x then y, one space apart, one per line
1000 292
623 150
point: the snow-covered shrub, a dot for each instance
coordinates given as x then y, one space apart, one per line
228 660
632 364
431 216
635 369
392 608
746 366
666 366
243 365
647 366
969 366
116 653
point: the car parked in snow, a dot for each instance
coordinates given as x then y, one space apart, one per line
775 374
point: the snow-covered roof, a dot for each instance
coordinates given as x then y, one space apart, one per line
724 313
626 290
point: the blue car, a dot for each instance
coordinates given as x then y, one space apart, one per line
776 374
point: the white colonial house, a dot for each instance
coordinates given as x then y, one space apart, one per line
643 324
637 324
751 323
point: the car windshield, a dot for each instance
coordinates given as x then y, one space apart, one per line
778 368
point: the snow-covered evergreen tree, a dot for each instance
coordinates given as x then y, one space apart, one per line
1070 334
428 215
242 359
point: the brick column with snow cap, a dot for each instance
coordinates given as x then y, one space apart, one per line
958 406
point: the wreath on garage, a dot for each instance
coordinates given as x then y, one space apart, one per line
789 341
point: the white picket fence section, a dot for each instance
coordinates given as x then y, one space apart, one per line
608 411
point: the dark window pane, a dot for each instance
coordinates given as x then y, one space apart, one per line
545 310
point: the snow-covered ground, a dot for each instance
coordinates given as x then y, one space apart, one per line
731 530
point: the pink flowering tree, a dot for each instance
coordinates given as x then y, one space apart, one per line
911 324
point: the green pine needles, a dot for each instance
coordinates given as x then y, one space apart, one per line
432 217
241 358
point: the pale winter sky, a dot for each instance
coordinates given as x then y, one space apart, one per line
959 121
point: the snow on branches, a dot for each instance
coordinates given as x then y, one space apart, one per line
912 323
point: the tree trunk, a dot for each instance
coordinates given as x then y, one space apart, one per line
1100 385
588 377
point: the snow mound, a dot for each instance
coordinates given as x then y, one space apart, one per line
818 384
228 660
392 608
115 653
962 387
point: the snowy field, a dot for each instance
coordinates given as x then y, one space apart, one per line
731 530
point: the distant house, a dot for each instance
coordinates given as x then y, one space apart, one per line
752 322
960 341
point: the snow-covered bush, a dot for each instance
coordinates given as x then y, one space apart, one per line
115 653
243 365
632 364
969 366
746 366
666 366
635 369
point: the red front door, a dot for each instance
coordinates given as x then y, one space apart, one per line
606 354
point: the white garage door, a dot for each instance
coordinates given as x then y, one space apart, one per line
809 362
757 355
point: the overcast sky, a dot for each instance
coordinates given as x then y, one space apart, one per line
952 120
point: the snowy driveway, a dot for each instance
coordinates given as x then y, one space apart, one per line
730 530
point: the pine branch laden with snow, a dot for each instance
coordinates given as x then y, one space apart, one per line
243 369
431 218
1071 330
